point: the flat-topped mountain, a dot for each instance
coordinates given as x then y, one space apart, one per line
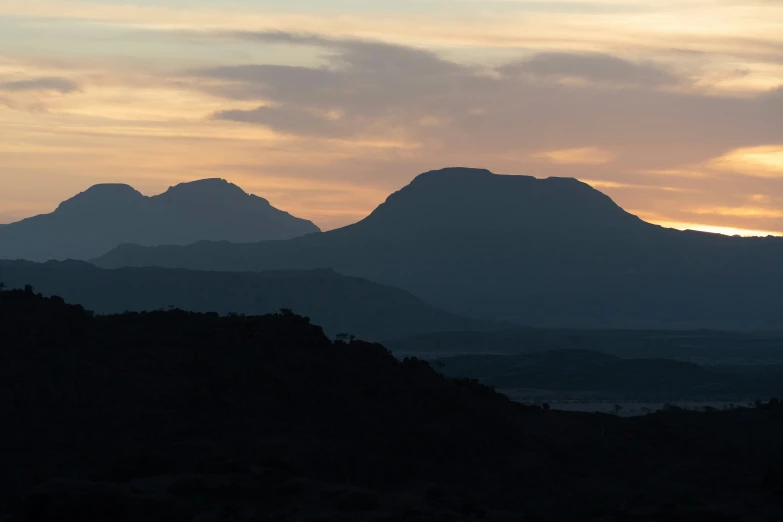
459 200
105 216
544 252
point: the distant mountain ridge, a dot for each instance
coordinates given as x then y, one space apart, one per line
338 303
542 252
106 216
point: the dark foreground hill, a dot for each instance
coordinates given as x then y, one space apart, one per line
174 416
338 303
543 252
105 216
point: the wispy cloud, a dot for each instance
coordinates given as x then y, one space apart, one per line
371 88
746 212
61 85
599 184
763 161
595 67
579 156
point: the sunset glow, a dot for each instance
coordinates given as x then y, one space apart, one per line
582 156
728 231
673 108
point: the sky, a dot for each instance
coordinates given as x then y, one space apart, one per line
674 108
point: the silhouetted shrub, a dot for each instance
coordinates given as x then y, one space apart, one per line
359 501
433 493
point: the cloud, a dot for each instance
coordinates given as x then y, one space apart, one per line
763 161
745 212
381 90
594 67
51 83
368 77
288 120
249 82
677 172
599 184
583 155
369 85
367 55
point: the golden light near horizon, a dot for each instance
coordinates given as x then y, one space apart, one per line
672 108
578 156
712 229
763 161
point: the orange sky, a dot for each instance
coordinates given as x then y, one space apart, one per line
673 108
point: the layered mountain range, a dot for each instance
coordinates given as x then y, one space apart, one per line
542 252
338 303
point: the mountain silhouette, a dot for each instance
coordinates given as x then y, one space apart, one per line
543 252
338 303
105 216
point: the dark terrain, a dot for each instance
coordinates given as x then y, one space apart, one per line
338 303
586 374
699 346
541 252
106 216
170 416
635 365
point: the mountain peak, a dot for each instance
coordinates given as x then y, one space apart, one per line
460 177
458 171
451 174
457 174
467 199
108 190
210 187
203 184
104 194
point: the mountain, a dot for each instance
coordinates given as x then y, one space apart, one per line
543 252
105 216
340 304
